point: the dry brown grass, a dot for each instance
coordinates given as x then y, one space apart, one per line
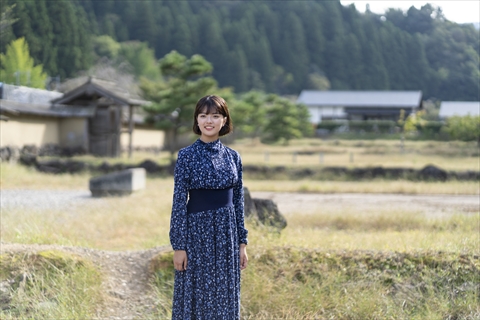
287 277
386 153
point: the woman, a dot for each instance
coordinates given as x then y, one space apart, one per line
207 232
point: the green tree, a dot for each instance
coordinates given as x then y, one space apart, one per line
249 114
105 46
334 31
141 58
182 38
237 71
17 66
40 40
317 81
72 38
375 74
295 57
6 21
173 101
144 27
466 128
286 120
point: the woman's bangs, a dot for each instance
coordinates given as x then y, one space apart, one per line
209 108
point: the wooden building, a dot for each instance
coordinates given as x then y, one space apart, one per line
94 116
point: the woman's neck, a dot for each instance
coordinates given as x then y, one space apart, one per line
207 139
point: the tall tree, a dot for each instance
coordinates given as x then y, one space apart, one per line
141 58
286 121
295 58
249 114
419 71
375 74
182 38
144 28
174 100
335 40
6 20
17 66
72 41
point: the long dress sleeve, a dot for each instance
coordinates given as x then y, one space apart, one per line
238 202
178 220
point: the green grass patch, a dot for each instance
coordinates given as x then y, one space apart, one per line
48 285
295 283
161 268
360 284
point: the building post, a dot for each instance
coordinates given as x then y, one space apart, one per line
130 130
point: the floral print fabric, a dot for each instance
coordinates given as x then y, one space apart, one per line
210 286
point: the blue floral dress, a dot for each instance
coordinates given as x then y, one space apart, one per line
210 286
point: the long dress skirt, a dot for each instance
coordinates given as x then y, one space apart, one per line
210 286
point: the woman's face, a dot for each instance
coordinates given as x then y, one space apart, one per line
210 125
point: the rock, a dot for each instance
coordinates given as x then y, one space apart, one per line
249 205
150 166
465 175
268 213
58 166
118 183
28 160
265 211
104 167
431 172
9 154
14 154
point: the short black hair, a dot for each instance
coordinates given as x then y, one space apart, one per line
213 104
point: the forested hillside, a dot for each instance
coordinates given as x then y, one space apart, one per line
275 46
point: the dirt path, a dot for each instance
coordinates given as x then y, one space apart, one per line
126 277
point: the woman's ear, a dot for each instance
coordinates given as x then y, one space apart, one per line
224 121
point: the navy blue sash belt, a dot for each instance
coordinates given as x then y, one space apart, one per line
209 199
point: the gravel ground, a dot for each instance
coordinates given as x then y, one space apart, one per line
288 203
45 199
431 206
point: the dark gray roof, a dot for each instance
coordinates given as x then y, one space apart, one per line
28 95
382 99
459 108
58 111
24 100
104 88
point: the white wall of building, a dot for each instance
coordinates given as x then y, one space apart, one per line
319 113
25 130
144 138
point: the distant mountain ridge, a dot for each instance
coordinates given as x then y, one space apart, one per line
281 47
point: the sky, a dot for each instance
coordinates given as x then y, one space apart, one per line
459 11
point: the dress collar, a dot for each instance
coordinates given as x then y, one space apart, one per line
214 146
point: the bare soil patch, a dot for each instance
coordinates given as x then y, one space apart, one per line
128 293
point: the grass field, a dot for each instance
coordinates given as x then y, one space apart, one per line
383 264
386 153
452 155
